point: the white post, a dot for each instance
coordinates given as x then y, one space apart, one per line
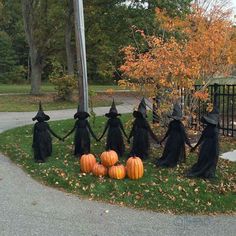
81 54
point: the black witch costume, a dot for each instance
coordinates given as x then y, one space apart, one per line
115 128
42 141
209 148
82 133
174 151
140 133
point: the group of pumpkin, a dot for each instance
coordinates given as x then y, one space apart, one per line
109 159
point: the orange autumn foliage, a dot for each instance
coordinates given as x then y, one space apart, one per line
204 50
202 95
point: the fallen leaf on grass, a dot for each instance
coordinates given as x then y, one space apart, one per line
85 188
180 188
34 203
139 196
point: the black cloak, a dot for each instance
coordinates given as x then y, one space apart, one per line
115 128
209 152
174 151
140 133
42 141
82 134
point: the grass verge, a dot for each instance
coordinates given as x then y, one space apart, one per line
162 190
48 88
23 103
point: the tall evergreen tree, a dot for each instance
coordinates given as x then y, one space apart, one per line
9 70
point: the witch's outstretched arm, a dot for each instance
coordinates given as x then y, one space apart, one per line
53 133
105 130
166 135
91 131
187 141
131 133
199 142
123 130
152 134
73 129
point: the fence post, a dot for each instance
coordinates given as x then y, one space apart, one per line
216 96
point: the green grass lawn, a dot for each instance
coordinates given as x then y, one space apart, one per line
162 190
48 88
23 88
23 103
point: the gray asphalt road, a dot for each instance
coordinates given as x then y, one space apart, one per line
30 208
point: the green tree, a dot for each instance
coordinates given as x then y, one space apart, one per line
46 32
42 24
111 25
69 26
11 22
9 70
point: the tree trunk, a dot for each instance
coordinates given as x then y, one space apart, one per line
36 72
68 34
35 59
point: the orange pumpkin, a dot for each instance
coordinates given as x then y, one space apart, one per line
87 161
109 158
134 168
117 172
99 170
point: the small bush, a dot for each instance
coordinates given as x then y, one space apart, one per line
64 85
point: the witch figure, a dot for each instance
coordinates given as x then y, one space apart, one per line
82 133
115 128
140 133
42 141
209 147
174 151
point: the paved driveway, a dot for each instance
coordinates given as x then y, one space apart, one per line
30 208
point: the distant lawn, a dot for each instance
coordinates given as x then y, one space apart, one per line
48 88
24 88
30 103
162 190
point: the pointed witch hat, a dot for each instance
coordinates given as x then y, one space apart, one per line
142 110
81 114
113 111
212 117
177 112
41 116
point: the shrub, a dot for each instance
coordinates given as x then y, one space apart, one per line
64 84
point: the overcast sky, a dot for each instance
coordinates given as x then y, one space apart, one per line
234 4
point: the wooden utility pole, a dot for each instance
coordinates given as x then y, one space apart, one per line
81 54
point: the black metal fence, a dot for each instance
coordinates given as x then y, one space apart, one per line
226 102
225 95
